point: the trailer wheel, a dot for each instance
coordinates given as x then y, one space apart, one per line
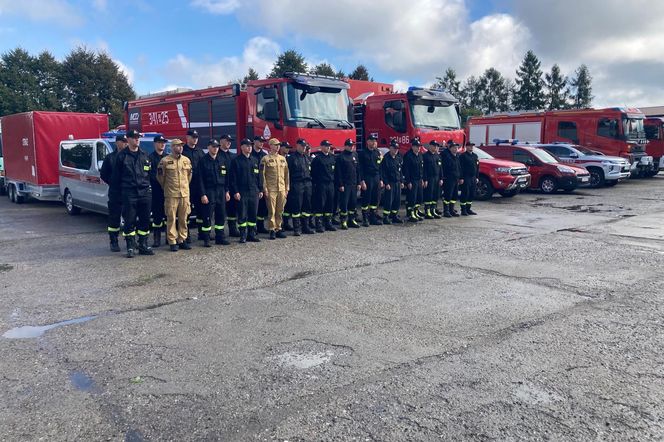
69 204
10 193
548 184
484 190
14 197
596 177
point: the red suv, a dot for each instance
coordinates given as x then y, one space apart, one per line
548 174
505 177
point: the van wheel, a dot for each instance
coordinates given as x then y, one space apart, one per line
69 204
484 189
548 184
596 177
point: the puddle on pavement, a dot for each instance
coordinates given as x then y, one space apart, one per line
133 436
6 267
82 381
35 331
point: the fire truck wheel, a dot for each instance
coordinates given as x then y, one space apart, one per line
484 189
548 184
69 204
596 177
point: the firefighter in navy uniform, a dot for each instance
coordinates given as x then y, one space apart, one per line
470 171
258 152
413 172
371 184
231 211
246 186
213 191
391 174
131 173
347 181
451 177
194 154
322 199
433 180
299 196
286 224
310 218
114 192
158 214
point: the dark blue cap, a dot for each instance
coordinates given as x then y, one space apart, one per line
192 133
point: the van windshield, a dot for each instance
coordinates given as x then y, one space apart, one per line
544 156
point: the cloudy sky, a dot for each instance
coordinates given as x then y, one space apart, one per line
198 43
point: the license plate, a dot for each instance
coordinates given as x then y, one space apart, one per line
585 179
522 180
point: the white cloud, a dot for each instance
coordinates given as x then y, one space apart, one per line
217 6
56 12
400 85
259 53
129 72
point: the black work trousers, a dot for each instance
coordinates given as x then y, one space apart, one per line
323 199
158 214
414 195
215 207
391 200
247 209
450 190
468 190
348 200
299 200
136 210
371 195
114 214
431 193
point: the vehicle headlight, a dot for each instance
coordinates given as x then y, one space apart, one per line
503 169
565 169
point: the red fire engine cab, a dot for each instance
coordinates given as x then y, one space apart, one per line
288 108
612 131
654 127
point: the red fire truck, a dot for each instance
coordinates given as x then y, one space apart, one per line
295 106
424 113
654 127
611 131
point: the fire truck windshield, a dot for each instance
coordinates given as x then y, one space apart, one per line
322 105
434 116
633 128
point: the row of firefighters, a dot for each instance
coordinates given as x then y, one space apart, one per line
289 187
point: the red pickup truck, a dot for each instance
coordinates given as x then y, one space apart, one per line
508 178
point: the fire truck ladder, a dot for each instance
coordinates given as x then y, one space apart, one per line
358 120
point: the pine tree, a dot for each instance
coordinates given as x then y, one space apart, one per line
251 75
360 73
289 61
49 80
557 91
20 91
492 92
450 83
529 84
582 89
469 93
340 74
323 69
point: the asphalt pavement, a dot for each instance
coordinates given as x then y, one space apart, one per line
540 319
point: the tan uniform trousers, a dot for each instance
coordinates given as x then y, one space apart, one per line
275 209
176 208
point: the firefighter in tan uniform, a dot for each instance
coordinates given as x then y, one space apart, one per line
174 174
274 168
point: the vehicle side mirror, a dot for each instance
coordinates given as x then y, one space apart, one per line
574 155
271 111
269 93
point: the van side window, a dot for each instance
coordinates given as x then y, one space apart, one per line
521 157
567 129
396 119
76 155
607 128
102 151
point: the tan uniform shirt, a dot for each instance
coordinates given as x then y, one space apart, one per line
275 173
174 175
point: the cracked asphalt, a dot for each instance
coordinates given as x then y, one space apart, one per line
540 319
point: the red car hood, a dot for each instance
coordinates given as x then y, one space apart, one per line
502 163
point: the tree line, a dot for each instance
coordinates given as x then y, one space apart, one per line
84 81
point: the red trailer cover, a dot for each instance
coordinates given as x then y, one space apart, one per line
31 142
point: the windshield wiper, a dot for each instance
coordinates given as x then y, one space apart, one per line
343 123
316 120
427 125
449 127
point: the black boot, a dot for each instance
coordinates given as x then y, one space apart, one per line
386 218
188 240
396 219
319 225
243 235
312 223
233 231
343 223
281 234
200 231
428 214
327 223
286 224
452 211
446 211
296 226
336 221
260 227
469 211
143 248
374 219
251 237
273 235
156 242
306 228
206 239
131 243
113 238
463 210
419 215
410 214
352 222
435 213
365 219
220 237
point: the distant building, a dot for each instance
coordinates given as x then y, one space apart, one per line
653 111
